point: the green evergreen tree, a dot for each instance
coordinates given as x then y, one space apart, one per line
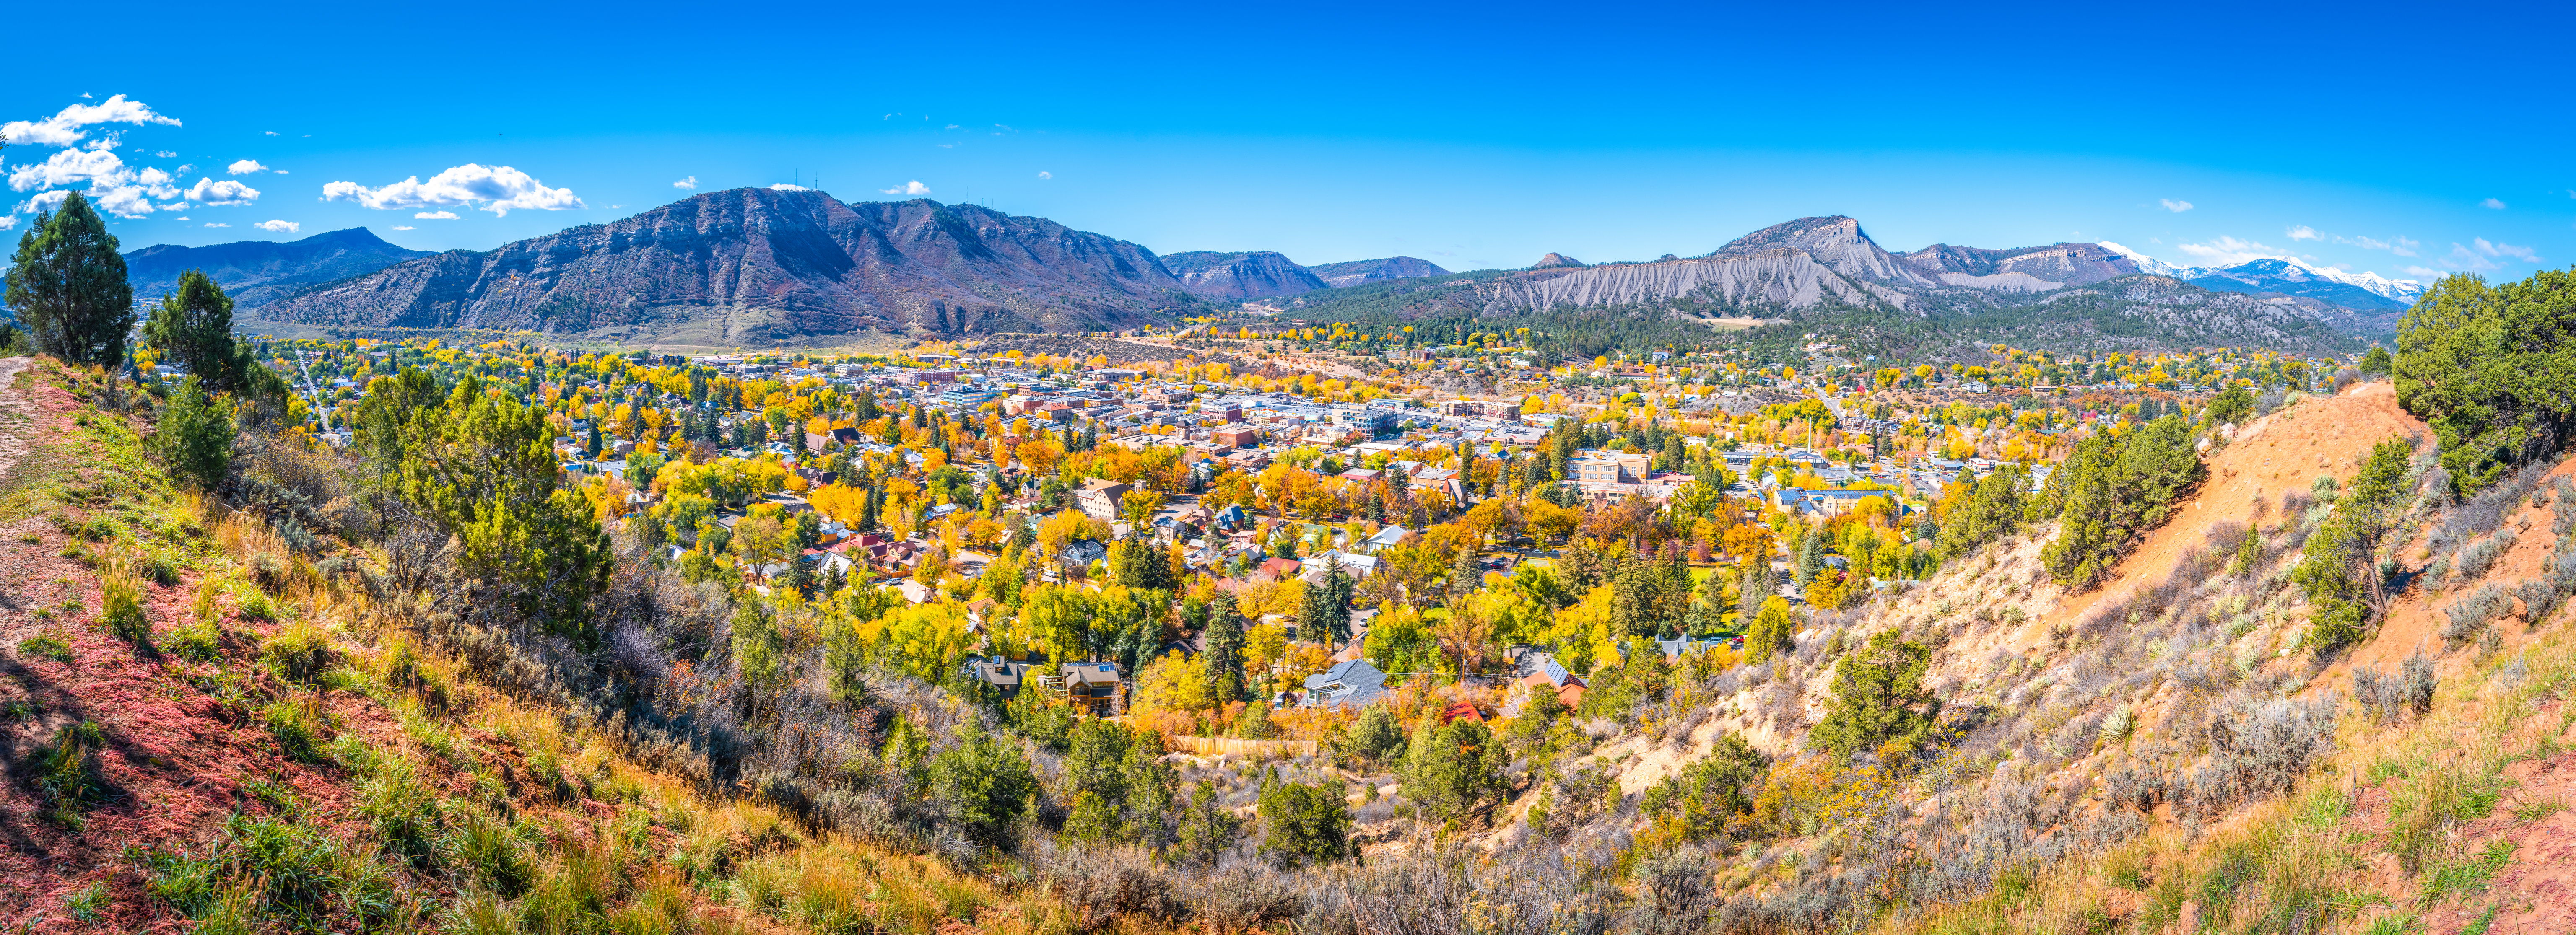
68 286
1224 648
196 436
2376 364
1207 828
2339 569
1307 824
1453 768
1880 703
193 329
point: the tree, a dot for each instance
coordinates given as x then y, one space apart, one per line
1880 704
982 784
1770 630
1207 828
1715 795
1376 736
476 466
2339 569
2376 364
193 328
2112 491
1307 824
1453 768
1992 510
196 436
69 287
1225 650
1118 783
2488 368
2237 403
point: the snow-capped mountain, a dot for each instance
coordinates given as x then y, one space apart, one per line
2288 276
2151 265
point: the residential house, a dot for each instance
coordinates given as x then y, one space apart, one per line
1099 497
1353 684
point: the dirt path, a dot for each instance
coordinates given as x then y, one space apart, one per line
16 413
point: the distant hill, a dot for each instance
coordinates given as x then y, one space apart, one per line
1250 275
2291 277
755 266
254 272
1825 278
1359 272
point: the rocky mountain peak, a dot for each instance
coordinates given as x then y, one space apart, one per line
1557 261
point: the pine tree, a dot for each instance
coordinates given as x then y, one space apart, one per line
192 328
1224 648
69 286
196 436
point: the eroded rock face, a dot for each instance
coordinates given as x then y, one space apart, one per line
1234 276
2061 263
756 264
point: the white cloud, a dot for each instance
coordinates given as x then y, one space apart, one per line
181 217
690 183
44 201
130 201
212 224
8 221
2229 251
1046 175
270 132
2496 204
278 171
279 227
785 187
434 216
96 167
2463 258
2525 254
2176 207
158 183
498 189
2304 232
2397 245
952 126
167 154
913 187
64 129
227 192
404 227
245 167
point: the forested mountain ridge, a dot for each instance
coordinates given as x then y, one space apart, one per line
1251 275
757 266
257 271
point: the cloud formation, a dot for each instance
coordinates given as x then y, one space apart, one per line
690 183
498 189
97 167
2525 254
245 167
227 192
2304 232
913 187
786 187
279 227
2496 204
8 222
1046 175
434 216
2176 207
2397 245
44 201
2229 251
213 224
65 128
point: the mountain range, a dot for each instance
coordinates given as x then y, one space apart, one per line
762 266
254 272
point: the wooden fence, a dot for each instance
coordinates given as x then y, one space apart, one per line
1238 746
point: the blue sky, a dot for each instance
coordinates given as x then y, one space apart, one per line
2407 141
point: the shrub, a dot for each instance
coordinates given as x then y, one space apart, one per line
256 606
2482 554
197 642
1879 704
2469 615
1376 736
186 883
1306 824
2260 749
196 436
1453 768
